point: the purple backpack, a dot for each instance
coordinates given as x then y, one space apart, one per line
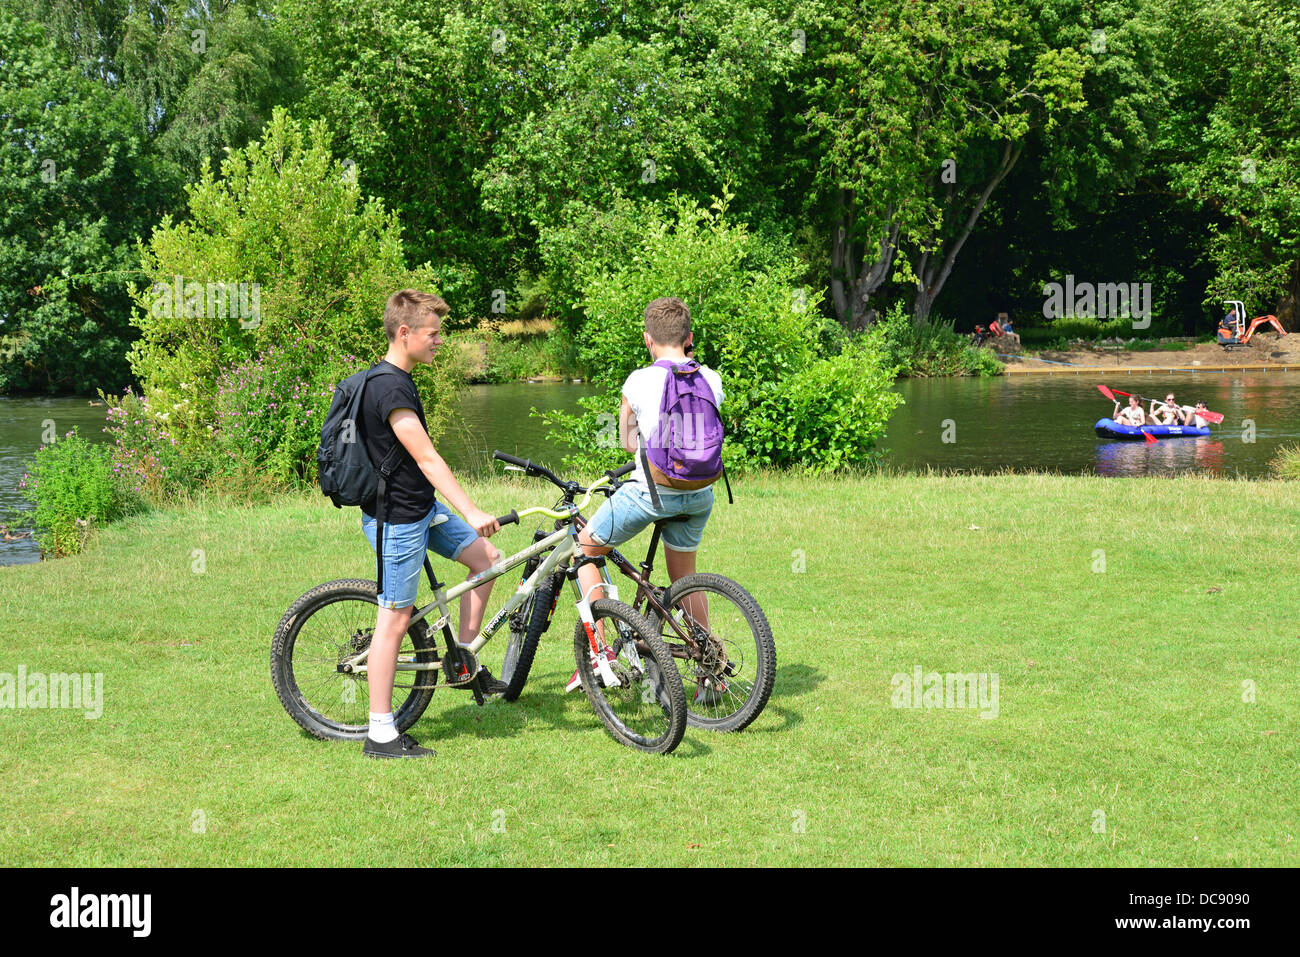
685 451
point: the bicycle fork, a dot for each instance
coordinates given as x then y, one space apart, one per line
600 650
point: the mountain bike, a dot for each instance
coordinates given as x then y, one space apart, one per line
724 651
319 651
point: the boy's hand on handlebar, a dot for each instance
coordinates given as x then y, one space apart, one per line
483 523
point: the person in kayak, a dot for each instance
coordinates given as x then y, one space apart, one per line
1170 413
1192 415
1133 415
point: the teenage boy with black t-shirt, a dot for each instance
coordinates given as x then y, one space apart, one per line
391 412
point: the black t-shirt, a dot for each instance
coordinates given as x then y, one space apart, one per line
410 496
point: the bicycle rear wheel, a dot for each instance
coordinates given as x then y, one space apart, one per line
533 618
727 668
646 708
331 623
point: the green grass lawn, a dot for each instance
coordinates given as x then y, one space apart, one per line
1143 633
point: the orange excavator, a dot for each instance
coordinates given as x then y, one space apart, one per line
1233 330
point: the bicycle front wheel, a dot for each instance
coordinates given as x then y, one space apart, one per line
322 629
727 666
643 706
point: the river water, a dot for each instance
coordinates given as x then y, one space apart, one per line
1045 423
1029 422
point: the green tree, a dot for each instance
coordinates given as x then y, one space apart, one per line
919 111
1231 138
77 185
202 77
489 126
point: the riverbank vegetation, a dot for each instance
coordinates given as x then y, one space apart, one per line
1162 741
1057 141
1286 464
219 272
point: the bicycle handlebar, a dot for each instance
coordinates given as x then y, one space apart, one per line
532 468
522 463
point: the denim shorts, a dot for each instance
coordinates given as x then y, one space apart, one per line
629 510
404 548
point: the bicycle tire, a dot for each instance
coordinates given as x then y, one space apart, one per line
331 622
535 616
647 711
738 626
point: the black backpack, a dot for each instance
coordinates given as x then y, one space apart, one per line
346 473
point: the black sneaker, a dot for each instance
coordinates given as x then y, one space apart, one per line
489 685
403 746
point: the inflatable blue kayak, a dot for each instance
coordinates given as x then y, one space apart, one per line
1110 429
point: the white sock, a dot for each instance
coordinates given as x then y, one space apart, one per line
382 729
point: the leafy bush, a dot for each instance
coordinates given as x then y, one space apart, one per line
591 243
144 452
517 350
75 488
317 261
828 416
270 410
1089 330
752 324
932 349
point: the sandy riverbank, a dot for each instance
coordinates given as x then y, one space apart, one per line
1264 349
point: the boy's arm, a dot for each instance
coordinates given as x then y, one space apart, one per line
627 427
406 426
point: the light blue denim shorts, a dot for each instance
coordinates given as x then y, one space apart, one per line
404 548
629 510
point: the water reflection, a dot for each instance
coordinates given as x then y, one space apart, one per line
1166 457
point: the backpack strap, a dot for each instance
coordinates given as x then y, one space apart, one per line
645 470
386 469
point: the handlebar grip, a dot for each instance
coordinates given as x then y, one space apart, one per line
510 459
511 519
620 472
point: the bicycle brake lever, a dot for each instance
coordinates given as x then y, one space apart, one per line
514 468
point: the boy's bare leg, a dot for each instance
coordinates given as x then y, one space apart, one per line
696 605
589 575
478 556
683 563
381 663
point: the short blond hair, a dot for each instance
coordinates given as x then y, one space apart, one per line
410 307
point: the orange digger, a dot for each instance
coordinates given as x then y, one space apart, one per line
1233 330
